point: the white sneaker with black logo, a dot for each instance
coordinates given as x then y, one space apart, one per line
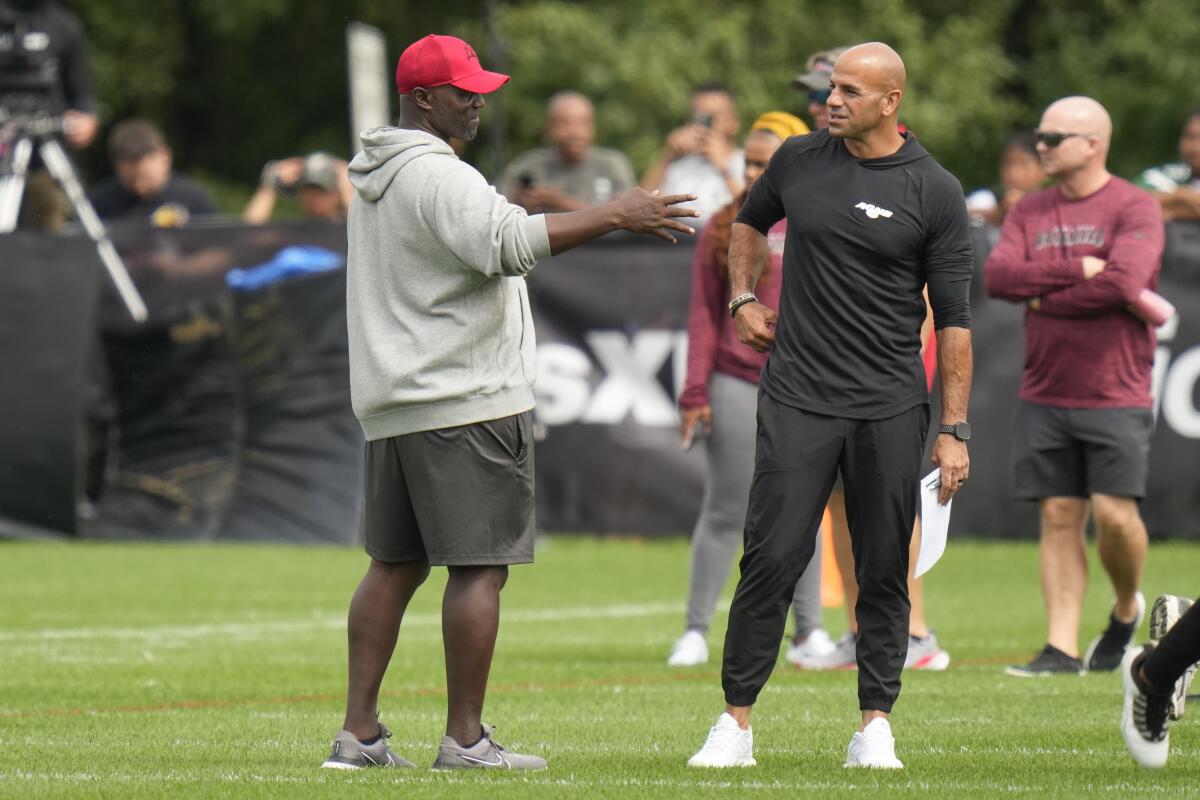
873 747
727 746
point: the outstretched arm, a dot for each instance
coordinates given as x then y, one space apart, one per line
637 211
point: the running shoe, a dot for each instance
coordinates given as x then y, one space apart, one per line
691 649
727 746
349 753
924 653
815 645
484 754
842 656
874 747
1167 610
1050 661
1105 652
1144 715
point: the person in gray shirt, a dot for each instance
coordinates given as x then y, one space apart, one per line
442 350
573 173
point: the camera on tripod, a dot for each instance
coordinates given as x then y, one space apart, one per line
30 94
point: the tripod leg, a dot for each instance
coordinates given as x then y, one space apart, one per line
60 167
12 186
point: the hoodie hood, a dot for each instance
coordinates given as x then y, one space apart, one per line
911 151
385 152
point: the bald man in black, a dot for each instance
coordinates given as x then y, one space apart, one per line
873 222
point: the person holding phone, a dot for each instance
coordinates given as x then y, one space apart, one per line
717 404
702 155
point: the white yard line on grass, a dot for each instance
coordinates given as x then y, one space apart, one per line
175 777
316 623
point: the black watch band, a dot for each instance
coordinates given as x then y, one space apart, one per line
959 430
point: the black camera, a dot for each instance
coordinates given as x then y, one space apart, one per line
29 76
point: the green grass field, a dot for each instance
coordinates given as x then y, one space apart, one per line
138 670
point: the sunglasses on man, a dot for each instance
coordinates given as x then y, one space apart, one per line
1053 140
819 96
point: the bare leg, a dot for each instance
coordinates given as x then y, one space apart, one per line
470 620
843 553
1122 542
1064 569
917 626
374 622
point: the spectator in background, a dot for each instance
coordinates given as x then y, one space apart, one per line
718 403
1177 185
572 174
702 156
1076 256
1021 173
51 39
144 187
319 181
815 81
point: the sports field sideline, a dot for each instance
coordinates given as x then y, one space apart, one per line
141 670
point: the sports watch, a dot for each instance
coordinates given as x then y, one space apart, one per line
959 430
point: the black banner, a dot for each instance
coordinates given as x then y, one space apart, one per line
228 414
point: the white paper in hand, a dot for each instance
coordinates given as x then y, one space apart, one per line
935 522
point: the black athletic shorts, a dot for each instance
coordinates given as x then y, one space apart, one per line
459 496
1079 452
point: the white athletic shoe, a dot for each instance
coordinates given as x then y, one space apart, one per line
727 746
874 747
841 656
1168 608
1144 717
817 644
690 650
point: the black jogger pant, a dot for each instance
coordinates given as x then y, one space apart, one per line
1176 651
797 456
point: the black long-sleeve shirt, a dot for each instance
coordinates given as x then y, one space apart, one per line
864 237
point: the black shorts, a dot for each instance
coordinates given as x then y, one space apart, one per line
459 496
1079 452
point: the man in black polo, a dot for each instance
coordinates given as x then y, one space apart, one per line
872 221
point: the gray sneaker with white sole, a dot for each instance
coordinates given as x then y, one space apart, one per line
349 753
484 754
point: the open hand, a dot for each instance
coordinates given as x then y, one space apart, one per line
755 324
640 211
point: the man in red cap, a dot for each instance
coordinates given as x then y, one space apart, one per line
441 377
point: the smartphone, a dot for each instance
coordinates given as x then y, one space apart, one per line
703 120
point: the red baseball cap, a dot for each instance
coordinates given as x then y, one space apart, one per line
439 60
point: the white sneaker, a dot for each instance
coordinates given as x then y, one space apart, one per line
843 655
690 650
1144 718
1167 610
727 746
874 747
817 644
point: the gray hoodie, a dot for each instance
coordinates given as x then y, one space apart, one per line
438 316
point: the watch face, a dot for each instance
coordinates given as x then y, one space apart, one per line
962 431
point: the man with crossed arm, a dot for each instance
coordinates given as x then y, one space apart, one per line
1078 255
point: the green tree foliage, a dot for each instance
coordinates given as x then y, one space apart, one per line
238 83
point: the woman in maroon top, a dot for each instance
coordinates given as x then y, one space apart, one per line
718 403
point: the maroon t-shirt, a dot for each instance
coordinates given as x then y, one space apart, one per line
1083 349
713 344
